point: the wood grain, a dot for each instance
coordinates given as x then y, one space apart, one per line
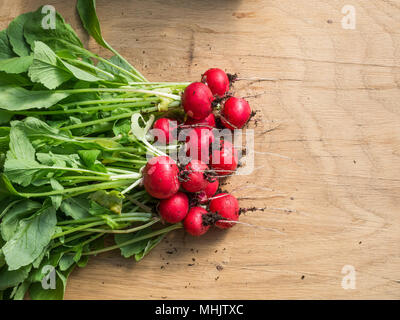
336 99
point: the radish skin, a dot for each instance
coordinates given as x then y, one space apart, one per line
161 177
235 113
205 195
197 100
211 188
195 176
217 80
198 143
175 208
208 121
226 206
167 127
224 160
194 222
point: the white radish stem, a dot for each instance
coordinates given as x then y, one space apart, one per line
136 183
226 120
125 176
250 197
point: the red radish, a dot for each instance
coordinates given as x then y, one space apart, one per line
224 160
167 127
208 121
198 143
175 208
211 188
227 207
196 100
235 113
217 81
194 176
160 177
195 223
208 192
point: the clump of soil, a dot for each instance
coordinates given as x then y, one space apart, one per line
251 209
211 218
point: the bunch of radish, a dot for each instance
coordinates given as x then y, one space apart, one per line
188 192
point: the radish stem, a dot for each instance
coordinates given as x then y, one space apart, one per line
147 236
125 231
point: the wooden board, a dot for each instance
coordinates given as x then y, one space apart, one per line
336 99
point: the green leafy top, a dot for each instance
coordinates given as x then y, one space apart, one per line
15 32
56 38
72 142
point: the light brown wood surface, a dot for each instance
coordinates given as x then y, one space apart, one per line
337 101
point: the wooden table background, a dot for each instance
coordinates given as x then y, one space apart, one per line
336 99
